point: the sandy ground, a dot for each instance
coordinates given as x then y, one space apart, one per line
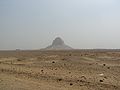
60 70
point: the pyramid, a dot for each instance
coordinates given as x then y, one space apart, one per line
58 44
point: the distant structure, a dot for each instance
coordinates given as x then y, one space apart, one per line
58 44
17 50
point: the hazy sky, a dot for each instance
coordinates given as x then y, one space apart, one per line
33 24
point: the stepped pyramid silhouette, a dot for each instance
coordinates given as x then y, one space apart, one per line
58 44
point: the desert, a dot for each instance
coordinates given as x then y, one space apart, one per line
59 45
60 70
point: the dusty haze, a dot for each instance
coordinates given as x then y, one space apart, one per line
34 24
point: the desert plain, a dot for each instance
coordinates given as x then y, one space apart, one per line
60 70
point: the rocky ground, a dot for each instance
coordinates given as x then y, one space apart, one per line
60 70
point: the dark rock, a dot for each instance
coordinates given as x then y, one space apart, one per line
60 79
71 84
70 54
101 80
104 64
69 72
55 68
53 62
